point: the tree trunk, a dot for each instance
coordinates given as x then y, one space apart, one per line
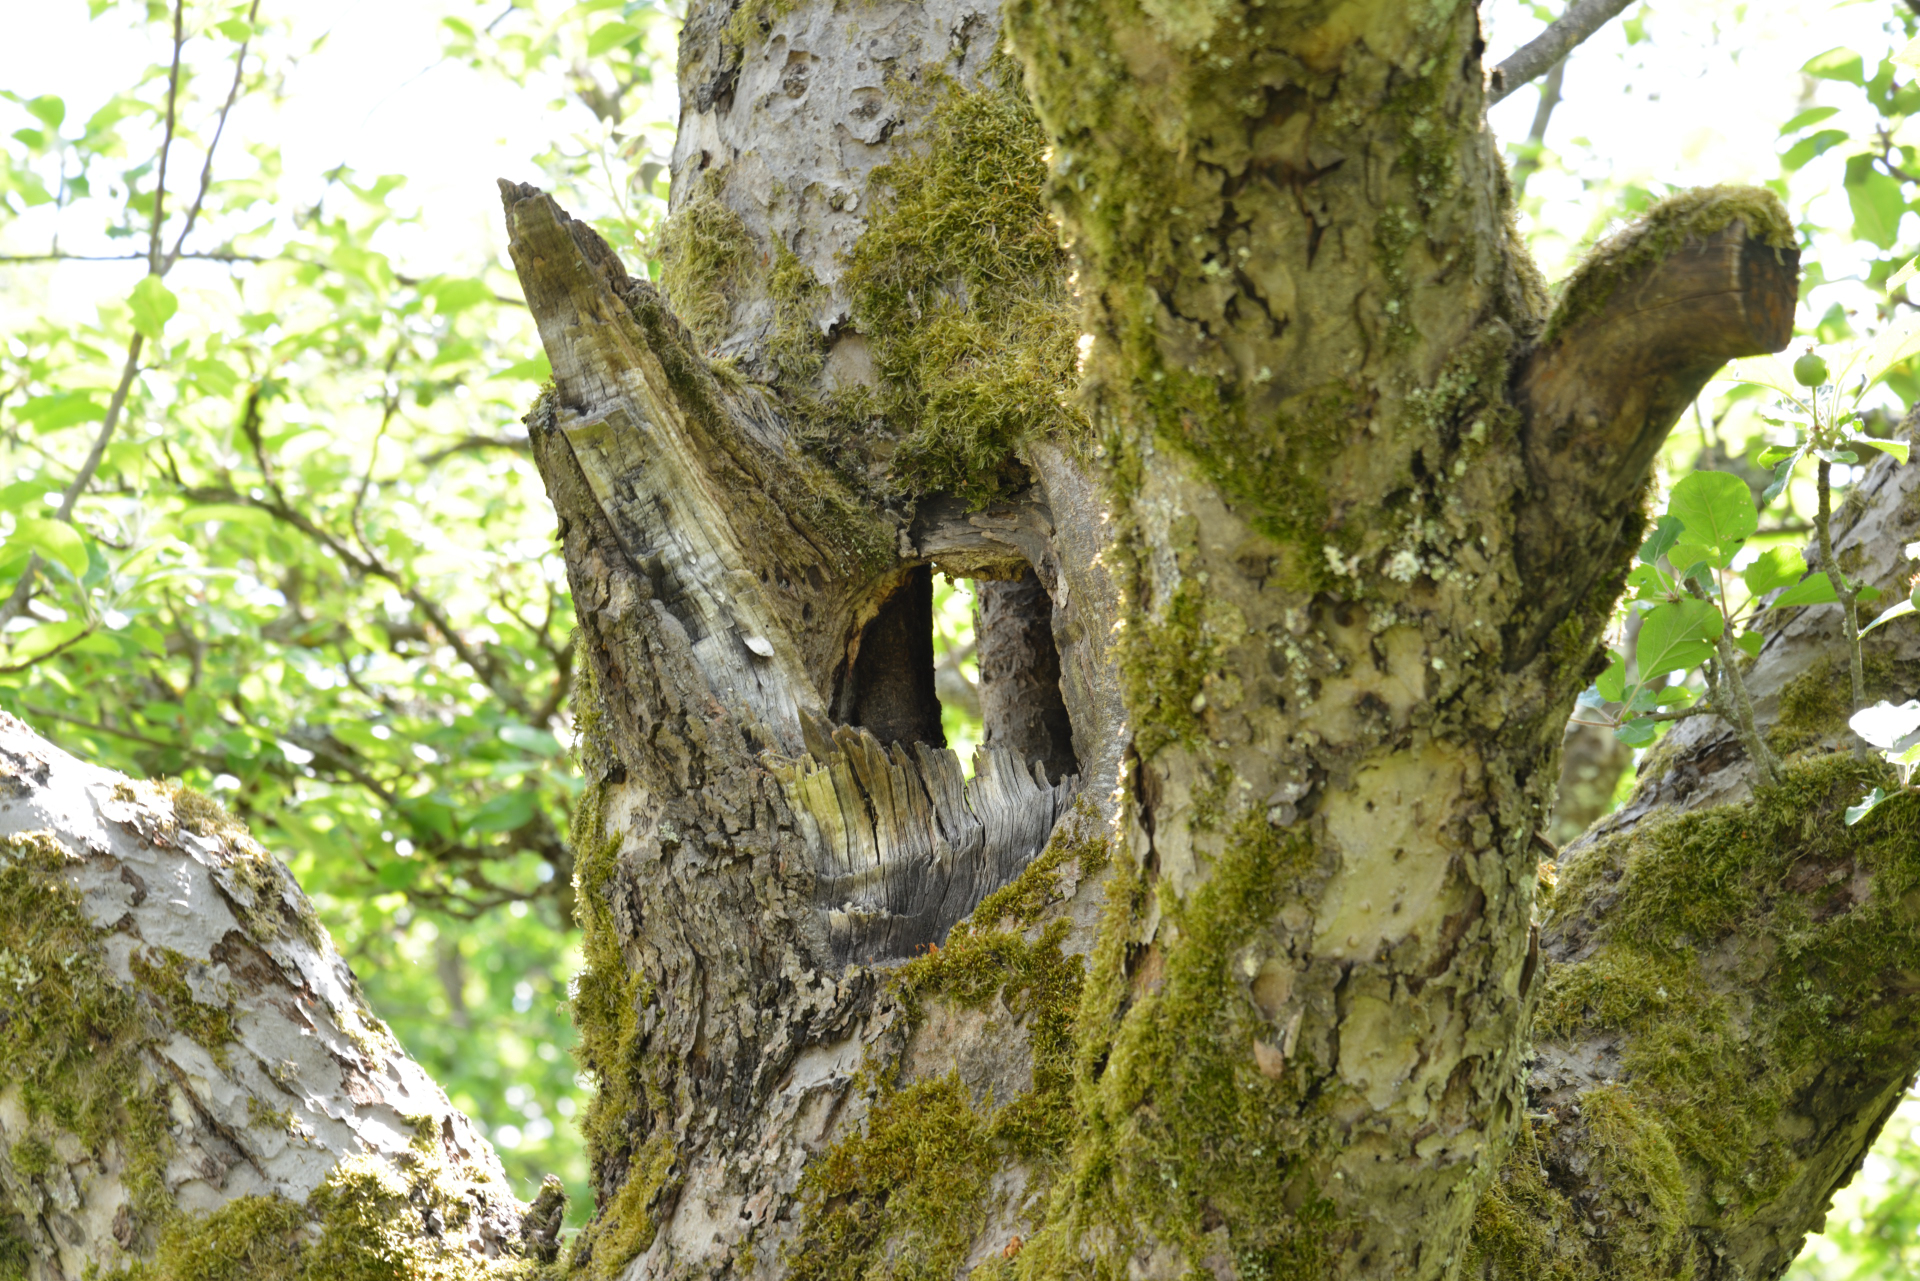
1299 514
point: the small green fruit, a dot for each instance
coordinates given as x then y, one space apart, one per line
1810 370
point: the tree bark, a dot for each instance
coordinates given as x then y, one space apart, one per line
1299 513
189 1076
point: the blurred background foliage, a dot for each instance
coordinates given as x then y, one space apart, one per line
269 521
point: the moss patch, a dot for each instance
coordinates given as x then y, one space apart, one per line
1179 1131
74 1033
702 249
1809 911
960 285
1528 1229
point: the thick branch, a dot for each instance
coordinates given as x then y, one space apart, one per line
188 1065
1727 1018
1641 326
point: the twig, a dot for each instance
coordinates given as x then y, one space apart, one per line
1532 60
61 648
206 168
1843 588
154 260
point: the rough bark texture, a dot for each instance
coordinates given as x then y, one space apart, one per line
1367 503
1728 1013
1224 962
189 1077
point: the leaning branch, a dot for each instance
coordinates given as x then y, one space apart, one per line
1535 58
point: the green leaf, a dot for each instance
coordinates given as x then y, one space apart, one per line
1839 63
1899 610
1687 556
1877 203
1866 806
535 369
1666 532
55 540
1902 276
399 873
1813 116
453 296
528 739
47 109
153 306
1814 589
231 513
1648 583
1749 643
1773 455
1899 449
1908 54
1676 636
1717 509
1613 682
61 409
1639 732
1811 146
1775 567
503 813
611 36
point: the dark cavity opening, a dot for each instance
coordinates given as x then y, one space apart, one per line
1021 705
890 690
987 666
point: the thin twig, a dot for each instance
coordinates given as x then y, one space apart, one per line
206 168
1532 60
166 141
61 648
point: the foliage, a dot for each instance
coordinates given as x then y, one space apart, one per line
270 522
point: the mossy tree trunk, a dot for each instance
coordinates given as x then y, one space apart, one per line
1299 511
1328 507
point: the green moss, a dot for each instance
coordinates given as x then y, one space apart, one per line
1179 1130
626 1227
201 814
1769 883
1691 215
75 1033
371 1220
32 1157
797 348
251 1238
702 249
900 1200
1528 1229
960 285
209 1025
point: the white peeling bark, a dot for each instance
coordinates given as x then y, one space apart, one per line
309 1078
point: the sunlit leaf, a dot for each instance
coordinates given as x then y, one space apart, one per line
1814 589
152 305
1677 635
